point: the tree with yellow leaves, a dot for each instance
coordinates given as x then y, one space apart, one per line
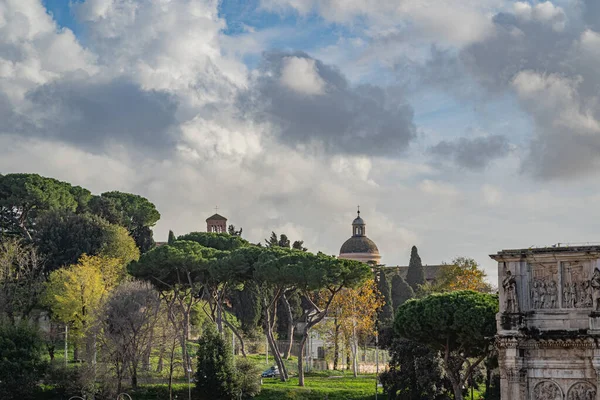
355 312
75 293
461 274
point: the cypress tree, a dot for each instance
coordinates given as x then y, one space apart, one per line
171 239
401 291
387 310
415 275
216 377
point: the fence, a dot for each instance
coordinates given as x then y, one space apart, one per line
320 356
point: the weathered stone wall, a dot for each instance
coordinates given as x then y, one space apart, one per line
548 325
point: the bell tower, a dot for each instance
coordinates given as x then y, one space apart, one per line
216 223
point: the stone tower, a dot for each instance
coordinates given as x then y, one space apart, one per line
216 224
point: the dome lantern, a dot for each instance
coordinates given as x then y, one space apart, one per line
358 225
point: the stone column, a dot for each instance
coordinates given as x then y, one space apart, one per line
596 365
513 378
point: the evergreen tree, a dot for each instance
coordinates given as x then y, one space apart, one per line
414 372
401 291
171 239
415 275
299 245
386 313
216 377
21 364
272 241
283 241
234 232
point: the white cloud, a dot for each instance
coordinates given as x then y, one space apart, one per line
446 21
174 56
555 97
302 76
441 189
491 195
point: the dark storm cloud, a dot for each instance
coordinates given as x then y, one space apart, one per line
363 119
472 153
92 115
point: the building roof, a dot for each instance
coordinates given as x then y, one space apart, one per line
216 217
358 221
359 244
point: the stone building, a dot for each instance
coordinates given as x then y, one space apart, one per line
216 224
548 337
359 247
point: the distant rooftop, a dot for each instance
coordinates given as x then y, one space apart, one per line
216 217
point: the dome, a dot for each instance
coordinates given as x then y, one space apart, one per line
358 221
359 244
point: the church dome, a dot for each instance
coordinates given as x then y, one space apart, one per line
359 244
359 247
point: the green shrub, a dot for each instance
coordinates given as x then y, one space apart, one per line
21 365
216 377
248 375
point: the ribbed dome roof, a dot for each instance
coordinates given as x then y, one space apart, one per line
359 244
358 221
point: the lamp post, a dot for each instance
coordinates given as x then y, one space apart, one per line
376 363
189 371
66 344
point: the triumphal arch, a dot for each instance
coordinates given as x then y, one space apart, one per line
549 323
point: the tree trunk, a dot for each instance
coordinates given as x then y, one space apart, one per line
134 380
51 348
75 352
336 345
185 337
219 312
237 334
354 351
488 379
148 353
457 388
300 360
454 378
283 375
119 372
290 333
171 367
159 366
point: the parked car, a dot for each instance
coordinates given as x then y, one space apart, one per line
272 372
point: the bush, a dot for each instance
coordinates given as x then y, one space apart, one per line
216 377
248 376
64 381
21 365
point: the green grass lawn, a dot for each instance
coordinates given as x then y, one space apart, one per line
320 387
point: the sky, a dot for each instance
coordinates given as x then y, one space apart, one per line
460 126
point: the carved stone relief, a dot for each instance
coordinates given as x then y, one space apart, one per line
544 286
582 391
577 287
509 285
594 287
547 390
